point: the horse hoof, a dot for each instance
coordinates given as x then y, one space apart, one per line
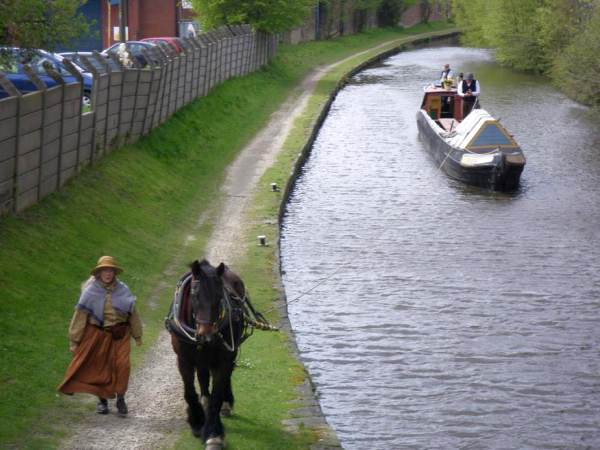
197 432
215 443
226 409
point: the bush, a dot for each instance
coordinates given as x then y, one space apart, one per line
576 69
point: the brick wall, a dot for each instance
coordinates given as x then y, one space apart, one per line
414 15
156 18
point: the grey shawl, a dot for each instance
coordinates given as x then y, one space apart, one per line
94 294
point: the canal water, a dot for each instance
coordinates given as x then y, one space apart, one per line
431 314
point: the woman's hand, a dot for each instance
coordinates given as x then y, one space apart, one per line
73 347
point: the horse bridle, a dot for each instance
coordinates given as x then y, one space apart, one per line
251 319
225 310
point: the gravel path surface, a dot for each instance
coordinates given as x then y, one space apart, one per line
155 395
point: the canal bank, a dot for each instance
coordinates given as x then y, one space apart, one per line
155 219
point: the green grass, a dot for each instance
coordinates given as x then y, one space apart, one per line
139 204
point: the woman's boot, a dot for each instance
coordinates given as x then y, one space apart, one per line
102 406
121 405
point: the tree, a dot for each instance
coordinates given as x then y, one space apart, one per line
390 12
41 23
271 16
470 16
511 27
425 6
559 21
576 68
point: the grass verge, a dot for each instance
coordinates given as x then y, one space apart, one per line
139 204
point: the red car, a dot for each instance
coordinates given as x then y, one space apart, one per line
174 42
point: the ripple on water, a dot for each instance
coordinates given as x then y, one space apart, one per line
448 316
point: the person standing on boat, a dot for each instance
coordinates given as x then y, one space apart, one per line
104 321
447 75
469 92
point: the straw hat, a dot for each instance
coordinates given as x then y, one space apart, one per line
106 262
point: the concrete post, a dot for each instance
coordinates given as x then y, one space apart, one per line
203 79
191 73
208 73
195 50
75 73
114 103
9 144
161 92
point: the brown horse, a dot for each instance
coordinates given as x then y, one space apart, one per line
207 326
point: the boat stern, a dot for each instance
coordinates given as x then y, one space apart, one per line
510 176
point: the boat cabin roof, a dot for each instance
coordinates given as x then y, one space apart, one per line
479 131
434 89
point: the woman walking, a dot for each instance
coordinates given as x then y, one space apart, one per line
105 319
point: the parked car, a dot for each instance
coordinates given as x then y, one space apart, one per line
13 60
75 58
134 47
174 42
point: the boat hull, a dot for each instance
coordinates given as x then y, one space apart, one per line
501 174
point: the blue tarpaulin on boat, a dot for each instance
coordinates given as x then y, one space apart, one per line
480 131
491 136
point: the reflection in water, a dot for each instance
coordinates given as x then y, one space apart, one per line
461 318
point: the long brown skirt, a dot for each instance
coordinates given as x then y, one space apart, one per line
100 365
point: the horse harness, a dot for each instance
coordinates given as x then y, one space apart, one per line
232 309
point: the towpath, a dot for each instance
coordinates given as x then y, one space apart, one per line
155 396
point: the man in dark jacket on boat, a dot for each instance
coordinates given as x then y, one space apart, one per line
469 91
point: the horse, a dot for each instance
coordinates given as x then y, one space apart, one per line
207 326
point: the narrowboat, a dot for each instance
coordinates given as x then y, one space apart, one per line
475 149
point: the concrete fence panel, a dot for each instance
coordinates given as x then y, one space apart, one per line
52 135
113 118
9 130
174 86
199 68
141 104
191 72
212 64
220 64
229 52
237 53
209 62
71 121
162 99
203 78
86 139
100 94
29 148
128 98
153 99
181 79
46 137
170 89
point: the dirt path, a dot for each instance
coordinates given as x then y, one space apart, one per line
155 395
